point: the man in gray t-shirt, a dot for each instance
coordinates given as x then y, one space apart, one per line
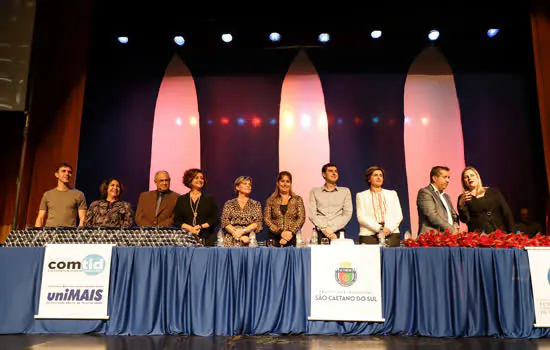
330 207
61 205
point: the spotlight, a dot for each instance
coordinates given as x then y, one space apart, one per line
274 36
492 32
123 39
179 40
256 122
227 37
306 121
433 35
324 37
375 34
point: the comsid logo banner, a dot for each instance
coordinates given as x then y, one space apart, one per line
346 283
539 265
75 281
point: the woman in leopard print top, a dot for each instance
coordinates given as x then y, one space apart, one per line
241 215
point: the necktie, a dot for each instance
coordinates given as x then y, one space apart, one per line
160 196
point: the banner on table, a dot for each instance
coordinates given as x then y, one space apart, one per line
346 283
75 281
539 265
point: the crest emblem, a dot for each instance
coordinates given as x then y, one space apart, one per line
345 275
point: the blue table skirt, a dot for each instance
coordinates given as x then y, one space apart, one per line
437 292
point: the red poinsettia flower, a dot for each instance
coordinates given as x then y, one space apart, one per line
497 239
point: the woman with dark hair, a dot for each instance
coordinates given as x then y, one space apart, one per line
241 215
378 210
196 212
284 212
110 211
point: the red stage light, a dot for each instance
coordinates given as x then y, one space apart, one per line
224 120
256 122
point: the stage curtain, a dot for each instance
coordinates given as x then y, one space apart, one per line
58 76
437 292
540 29
11 142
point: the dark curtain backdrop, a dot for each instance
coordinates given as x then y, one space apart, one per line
502 138
240 87
540 29
118 116
12 140
366 129
364 100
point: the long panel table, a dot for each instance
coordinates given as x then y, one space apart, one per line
438 292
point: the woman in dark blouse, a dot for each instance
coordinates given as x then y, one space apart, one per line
284 212
482 208
110 211
196 212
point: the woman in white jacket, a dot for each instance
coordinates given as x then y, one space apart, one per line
378 210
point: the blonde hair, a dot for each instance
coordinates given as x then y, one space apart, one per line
479 188
240 180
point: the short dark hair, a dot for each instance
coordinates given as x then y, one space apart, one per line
105 185
371 170
436 170
190 174
328 165
63 165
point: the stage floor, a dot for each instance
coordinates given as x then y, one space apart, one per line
295 342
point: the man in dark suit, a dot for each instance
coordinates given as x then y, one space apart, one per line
156 208
435 209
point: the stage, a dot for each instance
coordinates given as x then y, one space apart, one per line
433 292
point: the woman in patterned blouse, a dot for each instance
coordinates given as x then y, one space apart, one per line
110 211
241 215
284 212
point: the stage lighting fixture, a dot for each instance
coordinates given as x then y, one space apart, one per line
179 40
227 38
492 32
274 36
123 39
324 37
433 35
375 34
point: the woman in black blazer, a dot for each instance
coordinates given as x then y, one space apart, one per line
483 208
195 212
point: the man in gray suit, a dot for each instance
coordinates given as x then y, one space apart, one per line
435 209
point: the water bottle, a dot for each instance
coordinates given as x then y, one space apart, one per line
253 242
220 238
382 237
314 237
299 239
